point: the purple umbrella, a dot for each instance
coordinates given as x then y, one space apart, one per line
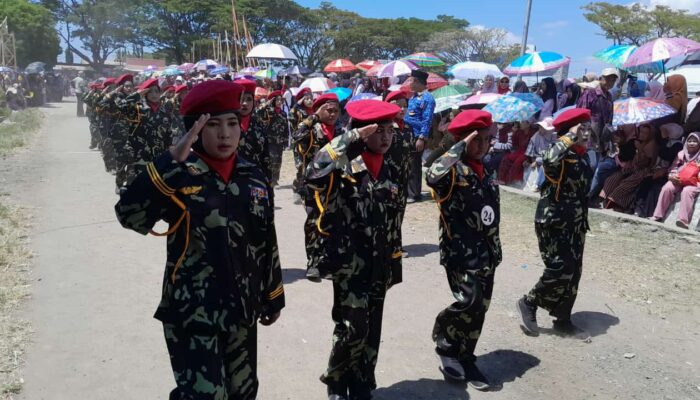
397 68
661 49
249 70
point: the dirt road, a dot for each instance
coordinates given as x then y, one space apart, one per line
95 287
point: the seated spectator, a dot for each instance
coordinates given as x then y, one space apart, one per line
500 146
539 143
623 152
620 189
512 164
683 177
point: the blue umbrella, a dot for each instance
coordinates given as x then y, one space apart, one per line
341 92
365 96
617 55
532 63
218 70
6 69
171 72
511 109
530 98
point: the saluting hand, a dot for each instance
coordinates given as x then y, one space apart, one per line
367 131
469 138
181 150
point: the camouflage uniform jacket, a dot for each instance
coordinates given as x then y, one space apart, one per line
297 114
223 264
307 141
254 145
400 154
276 124
177 124
563 202
359 220
469 213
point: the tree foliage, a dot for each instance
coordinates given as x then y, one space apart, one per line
33 26
636 24
490 45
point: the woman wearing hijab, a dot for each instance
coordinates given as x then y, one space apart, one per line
676 90
521 87
656 91
548 92
222 274
489 85
504 85
677 182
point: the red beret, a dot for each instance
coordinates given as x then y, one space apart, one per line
303 92
169 88
470 120
248 85
372 111
181 88
149 83
396 95
108 81
212 97
274 94
571 118
325 98
123 79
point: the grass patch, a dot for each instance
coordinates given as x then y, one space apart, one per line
18 128
14 331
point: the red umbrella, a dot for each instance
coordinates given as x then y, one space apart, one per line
435 81
375 70
368 65
340 65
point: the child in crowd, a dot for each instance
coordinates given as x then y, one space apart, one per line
539 143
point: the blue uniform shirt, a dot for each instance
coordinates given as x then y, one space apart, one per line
420 114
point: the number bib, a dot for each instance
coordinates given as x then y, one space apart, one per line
487 215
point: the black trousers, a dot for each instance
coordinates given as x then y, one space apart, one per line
415 178
81 112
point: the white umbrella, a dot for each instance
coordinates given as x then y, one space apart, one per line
272 51
203 65
318 84
473 70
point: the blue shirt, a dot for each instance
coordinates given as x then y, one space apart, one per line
420 114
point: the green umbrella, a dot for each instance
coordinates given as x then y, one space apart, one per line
451 90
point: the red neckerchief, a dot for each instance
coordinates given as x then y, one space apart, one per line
309 110
476 166
374 162
578 149
154 106
245 123
328 131
278 110
222 167
400 123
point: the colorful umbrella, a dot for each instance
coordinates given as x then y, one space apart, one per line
425 60
636 110
186 67
318 84
150 68
244 76
368 64
374 71
617 55
249 70
451 90
660 50
536 62
445 103
485 98
203 65
396 68
171 72
340 65
511 109
295 70
218 70
435 81
473 70
341 92
266 74
365 96
530 98
271 51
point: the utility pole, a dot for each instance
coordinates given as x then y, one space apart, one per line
7 47
526 28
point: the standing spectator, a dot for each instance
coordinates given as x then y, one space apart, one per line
420 118
548 92
80 87
600 101
676 90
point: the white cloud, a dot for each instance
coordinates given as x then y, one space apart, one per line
690 5
555 25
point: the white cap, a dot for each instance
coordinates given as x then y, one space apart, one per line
610 71
547 124
179 78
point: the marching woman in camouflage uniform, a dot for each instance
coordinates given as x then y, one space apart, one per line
404 144
222 273
121 128
277 131
470 247
255 145
301 110
91 114
561 223
357 194
313 133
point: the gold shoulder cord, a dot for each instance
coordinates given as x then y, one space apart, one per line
439 201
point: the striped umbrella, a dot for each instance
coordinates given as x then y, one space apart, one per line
636 110
340 65
511 109
536 62
367 65
186 67
365 96
617 55
374 71
396 68
425 60
435 81
218 70
266 73
661 49
451 90
203 65
249 70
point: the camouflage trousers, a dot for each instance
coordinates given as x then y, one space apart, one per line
298 184
357 313
276 151
121 156
95 139
108 155
218 366
458 327
562 254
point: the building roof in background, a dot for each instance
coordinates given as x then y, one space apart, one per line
140 64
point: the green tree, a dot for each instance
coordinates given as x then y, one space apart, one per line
33 26
488 45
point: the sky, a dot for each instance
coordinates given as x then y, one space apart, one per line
555 25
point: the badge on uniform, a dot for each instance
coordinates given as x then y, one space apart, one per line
194 171
394 189
258 193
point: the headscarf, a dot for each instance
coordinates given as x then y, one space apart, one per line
521 87
656 91
550 93
687 157
501 90
676 90
492 89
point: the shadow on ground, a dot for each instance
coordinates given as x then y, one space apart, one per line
291 275
593 324
503 366
420 249
422 389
